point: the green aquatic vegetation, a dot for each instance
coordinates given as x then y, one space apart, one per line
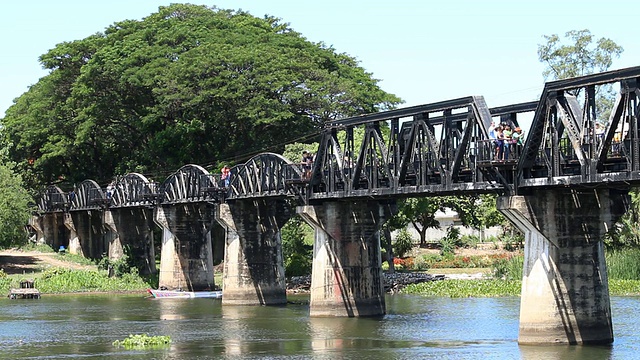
466 288
143 340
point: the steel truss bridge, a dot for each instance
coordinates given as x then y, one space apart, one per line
440 148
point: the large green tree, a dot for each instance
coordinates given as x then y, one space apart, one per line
421 212
15 206
577 55
188 84
583 57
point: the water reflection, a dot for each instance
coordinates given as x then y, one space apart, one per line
327 333
170 309
415 327
536 352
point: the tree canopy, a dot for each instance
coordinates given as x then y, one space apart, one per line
14 204
581 57
188 84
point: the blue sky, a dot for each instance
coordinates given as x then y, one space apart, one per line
422 51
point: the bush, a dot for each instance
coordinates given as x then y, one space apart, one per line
623 264
512 242
510 268
296 250
469 241
403 243
118 267
421 263
450 241
298 265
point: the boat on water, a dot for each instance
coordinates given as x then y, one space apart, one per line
167 294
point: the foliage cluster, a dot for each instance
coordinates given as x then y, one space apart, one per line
450 241
439 261
120 267
143 340
15 208
297 247
403 243
623 264
509 268
63 280
466 288
187 84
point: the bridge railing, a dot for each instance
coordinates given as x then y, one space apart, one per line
213 187
58 201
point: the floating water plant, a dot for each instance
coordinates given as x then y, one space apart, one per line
143 340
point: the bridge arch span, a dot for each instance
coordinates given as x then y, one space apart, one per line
87 195
133 189
53 199
263 175
190 183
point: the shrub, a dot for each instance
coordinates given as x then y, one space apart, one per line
450 241
116 268
623 264
298 265
421 263
510 268
403 243
469 241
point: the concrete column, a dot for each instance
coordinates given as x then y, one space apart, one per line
53 230
132 230
253 263
186 260
347 274
89 227
565 293
36 223
74 241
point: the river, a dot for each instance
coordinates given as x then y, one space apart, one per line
415 327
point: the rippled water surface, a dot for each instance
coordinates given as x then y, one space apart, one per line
85 326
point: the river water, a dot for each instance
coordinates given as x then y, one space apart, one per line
415 327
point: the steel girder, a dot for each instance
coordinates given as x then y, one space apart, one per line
565 146
427 149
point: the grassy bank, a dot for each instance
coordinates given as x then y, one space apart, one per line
623 269
64 280
497 287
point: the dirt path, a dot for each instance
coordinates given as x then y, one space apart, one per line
25 262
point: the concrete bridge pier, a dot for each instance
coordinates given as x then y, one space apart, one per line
74 246
186 259
565 292
37 224
89 227
347 274
253 262
132 230
50 229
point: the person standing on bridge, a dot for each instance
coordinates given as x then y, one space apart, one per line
225 175
307 161
499 143
506 143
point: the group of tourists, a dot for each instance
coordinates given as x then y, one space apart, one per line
505 140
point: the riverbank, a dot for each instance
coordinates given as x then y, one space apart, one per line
393 283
